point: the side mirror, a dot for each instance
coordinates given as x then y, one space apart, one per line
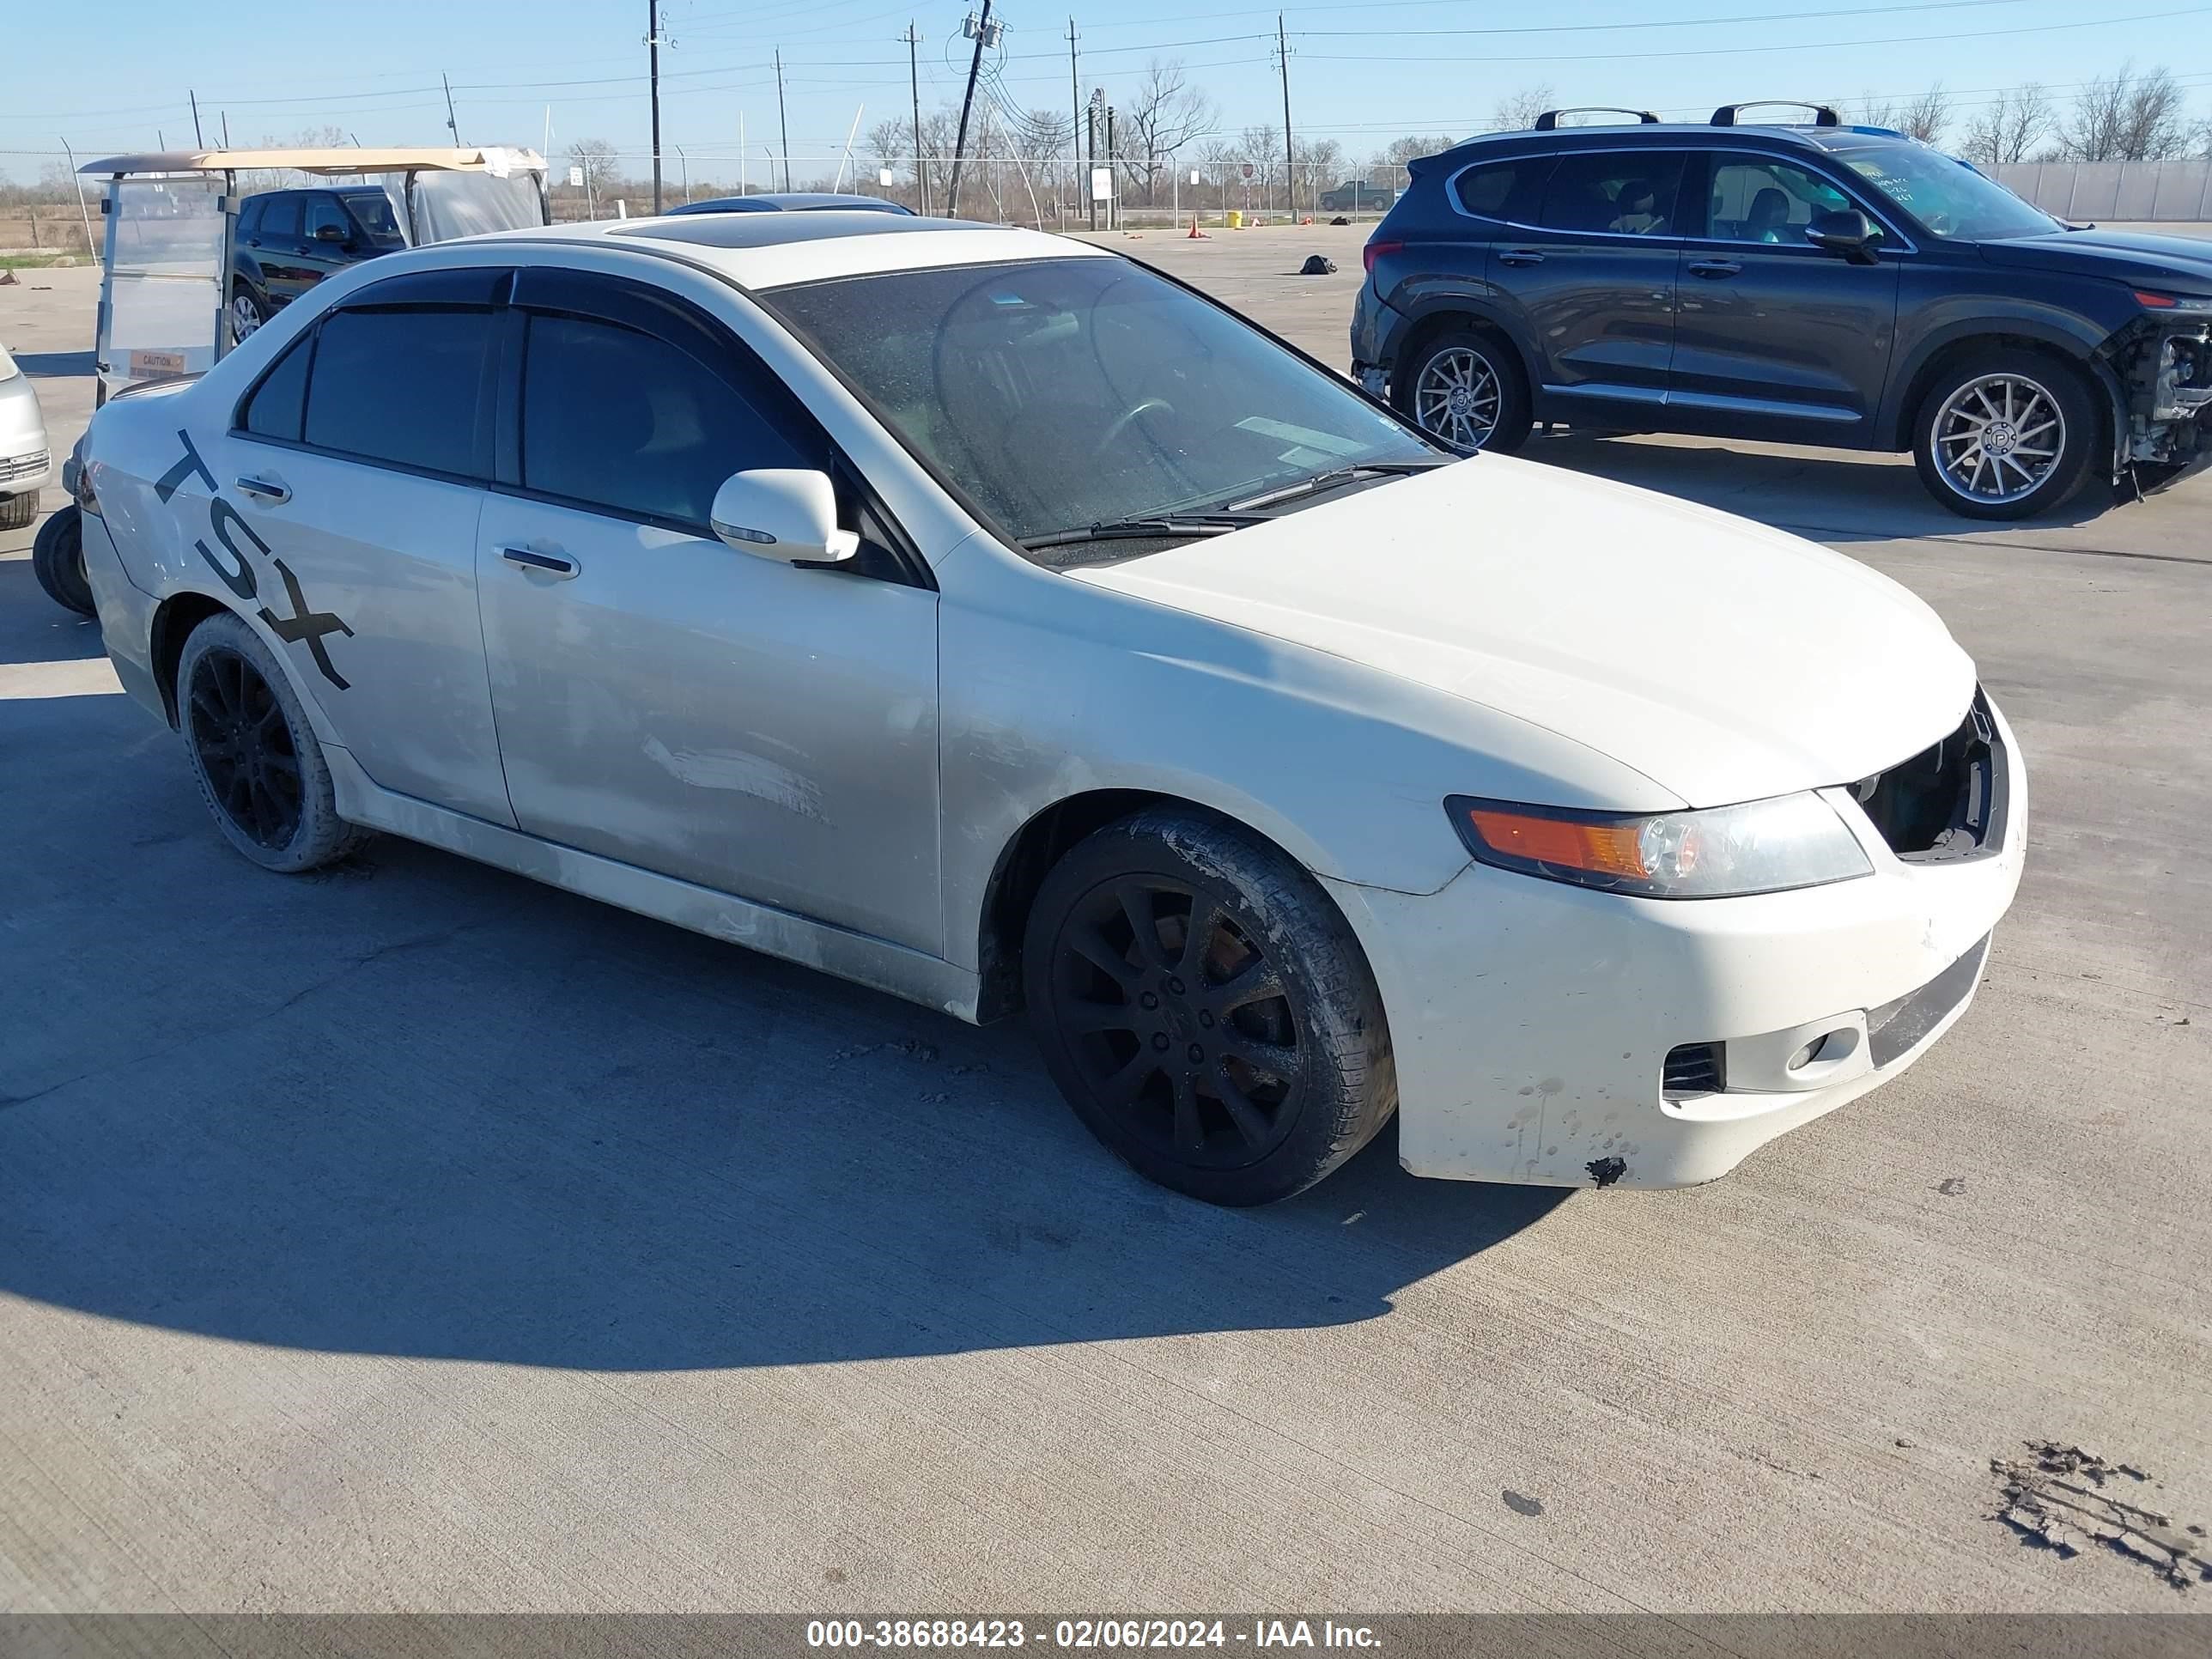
1845 231
328 232
784 515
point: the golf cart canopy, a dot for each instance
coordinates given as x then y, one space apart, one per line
172 220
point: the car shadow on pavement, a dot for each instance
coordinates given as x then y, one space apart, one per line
1832 496
414 1106
33 628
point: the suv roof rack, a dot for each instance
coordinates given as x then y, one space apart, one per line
1549 120
1823 116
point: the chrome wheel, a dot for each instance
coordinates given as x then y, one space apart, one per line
1458 397
1999 437
245 316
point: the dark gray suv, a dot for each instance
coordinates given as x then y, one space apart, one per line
1819 284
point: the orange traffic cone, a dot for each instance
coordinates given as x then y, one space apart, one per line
1196 234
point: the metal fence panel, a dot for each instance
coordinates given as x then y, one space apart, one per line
2169 191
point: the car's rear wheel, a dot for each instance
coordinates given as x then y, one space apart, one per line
1205 1008
16 511
1467 388
247 312
58 561
254 753
2004 434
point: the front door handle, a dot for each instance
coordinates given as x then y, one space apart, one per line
553 564
1520 256
1715 269
266 489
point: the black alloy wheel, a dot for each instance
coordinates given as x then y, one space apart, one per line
1181 1024
244 748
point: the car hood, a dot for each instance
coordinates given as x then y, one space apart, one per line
1723 660
2183 263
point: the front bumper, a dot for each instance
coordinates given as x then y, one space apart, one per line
1532 1021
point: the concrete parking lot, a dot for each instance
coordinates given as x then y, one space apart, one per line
415 1237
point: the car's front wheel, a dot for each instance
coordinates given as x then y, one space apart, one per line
1206 1009
2004 434
58 561
1467 388
254 752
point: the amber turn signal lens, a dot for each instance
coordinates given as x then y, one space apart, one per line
1603 849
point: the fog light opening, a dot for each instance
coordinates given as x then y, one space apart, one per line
1826 1049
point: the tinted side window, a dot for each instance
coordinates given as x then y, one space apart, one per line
280 216
249 214
1617 193
401 386
1756 200
325 211
1504 190
619 419
277 407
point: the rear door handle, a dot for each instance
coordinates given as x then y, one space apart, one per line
1714 268
1520 256
553 564
266 489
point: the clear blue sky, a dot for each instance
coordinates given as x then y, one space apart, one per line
107 75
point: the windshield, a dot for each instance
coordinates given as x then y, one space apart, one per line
1949 197
371 211
1066 392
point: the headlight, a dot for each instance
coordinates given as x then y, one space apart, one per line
1723 852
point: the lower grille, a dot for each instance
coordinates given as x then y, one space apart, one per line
1948 801
22 466
1693 1068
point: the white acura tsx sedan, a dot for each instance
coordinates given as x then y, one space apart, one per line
988 619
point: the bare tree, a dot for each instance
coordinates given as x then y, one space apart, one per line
1320 166
2127 116
2008 127
1164 114
1922 118
598 160
1518 111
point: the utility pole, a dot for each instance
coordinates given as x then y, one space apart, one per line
782 120
226 129
1113 175
1075 111
913 84
653 68
1290 150
960 144
198 143
451 125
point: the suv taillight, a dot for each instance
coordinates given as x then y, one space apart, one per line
1375 250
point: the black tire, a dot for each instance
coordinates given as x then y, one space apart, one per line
16 511
1509 428
259 767
1238 1062
1968 391
58 561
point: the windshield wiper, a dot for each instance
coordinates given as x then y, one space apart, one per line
1331 479
1159 526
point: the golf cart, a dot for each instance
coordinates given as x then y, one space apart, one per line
170 248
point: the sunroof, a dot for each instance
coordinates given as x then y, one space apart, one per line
775 229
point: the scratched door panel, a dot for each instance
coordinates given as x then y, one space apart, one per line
757 728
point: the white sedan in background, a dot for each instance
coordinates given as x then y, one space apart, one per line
988 619
24 460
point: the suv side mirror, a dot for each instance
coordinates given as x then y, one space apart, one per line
330 232
1846 231
784 515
